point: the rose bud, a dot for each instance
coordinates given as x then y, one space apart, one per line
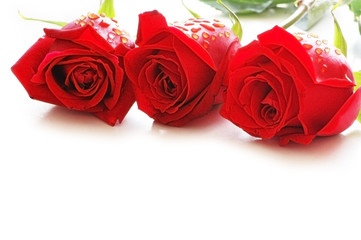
294 87
177 70
80 67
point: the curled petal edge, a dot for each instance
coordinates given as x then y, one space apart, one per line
345 116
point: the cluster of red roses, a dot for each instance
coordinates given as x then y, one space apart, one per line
294 87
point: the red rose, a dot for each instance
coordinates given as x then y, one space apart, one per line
80 67
291 87
177 70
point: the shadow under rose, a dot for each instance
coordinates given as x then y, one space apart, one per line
204 124
77 122
337 147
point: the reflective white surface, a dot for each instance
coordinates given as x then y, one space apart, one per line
68 175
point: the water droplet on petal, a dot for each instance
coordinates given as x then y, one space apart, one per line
218 25
307 46
82 17
82 23
227 34
338 51
111 35
209 28
213 37
323 68
318 42
205 35
124 40
325 41
188 24
104 24
117 31
318 51
312 35
299 38
205 44
93 16
220 34
194 30
195 36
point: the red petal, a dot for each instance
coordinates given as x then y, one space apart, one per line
27 66
150 24
345 116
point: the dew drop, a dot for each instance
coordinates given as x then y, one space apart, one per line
318 42
195 30
111 35
327 49
319 59
114 20
220 34
205 35
338 51
93 16
213 38
195 36
104 24
312 35
325 41
91 23
307 46
323 68
82 23
206 44
82 17
209 28
299 38
227 34
117 31
124 40
102 14
218 25
216 20
188 24
318 51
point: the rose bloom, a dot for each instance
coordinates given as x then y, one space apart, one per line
80 67
294 87
177 70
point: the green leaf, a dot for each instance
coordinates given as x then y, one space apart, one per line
107 8
339 40
246 6
357 76
237 27
355 7
194 14
61 24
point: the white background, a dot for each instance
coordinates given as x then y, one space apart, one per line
68 175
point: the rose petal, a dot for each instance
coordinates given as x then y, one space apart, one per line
27 66
344 117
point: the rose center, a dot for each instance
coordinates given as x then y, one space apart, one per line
269 114
84 77
169 85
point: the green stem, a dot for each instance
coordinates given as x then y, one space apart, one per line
302 8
